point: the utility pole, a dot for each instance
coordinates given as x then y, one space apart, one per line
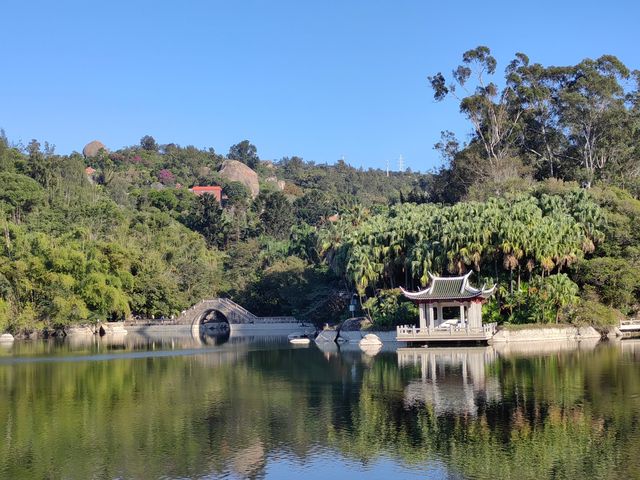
387 167
401 164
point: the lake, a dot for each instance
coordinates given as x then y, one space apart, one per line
150 406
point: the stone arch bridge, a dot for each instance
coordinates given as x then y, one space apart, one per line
234 313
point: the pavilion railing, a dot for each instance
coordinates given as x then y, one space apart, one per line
408 331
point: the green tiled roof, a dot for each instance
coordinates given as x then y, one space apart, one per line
449 288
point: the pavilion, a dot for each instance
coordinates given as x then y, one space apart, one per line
446 292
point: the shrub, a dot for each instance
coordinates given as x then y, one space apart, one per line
615 280
388 309
590 312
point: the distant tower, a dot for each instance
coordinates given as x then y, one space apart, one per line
401 164
387 167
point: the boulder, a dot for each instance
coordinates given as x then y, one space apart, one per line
6 338
355 324
235 171
327 336
91 149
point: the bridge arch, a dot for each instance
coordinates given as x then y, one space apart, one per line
212 315
231 311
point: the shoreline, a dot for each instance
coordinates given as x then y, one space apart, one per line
522 334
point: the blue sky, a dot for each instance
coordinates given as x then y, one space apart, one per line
318 79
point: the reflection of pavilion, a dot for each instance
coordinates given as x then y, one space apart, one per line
631 346
452 380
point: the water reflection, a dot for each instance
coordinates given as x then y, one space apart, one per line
545 348
452 380
254 407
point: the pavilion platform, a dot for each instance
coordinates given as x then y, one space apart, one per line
412 334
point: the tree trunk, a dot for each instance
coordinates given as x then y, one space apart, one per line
511 281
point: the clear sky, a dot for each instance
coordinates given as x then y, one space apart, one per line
318 79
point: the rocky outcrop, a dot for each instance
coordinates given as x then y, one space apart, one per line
112 328
235 171
613 332
81 330
91 149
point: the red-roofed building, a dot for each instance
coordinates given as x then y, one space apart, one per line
208 190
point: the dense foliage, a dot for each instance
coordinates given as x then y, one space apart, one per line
541 200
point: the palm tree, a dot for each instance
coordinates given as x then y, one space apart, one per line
560 291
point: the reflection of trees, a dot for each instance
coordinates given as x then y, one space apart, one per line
567 415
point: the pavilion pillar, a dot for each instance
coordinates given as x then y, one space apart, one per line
440 317
475 315
430 319
423 315
462 317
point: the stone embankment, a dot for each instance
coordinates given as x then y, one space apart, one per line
546 333
107 328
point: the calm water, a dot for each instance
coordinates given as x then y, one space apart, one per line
146 408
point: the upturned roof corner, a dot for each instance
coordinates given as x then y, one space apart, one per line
450 288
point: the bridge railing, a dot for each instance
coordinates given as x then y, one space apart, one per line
277 320
234 313
234 306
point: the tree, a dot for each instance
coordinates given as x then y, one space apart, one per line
38 167
615 280
489 109
149 144
238 195
210 221
19 193
536 91
246 153
164 200
166 177
313 207
238 198
277 215
591 107
292 166
559 291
